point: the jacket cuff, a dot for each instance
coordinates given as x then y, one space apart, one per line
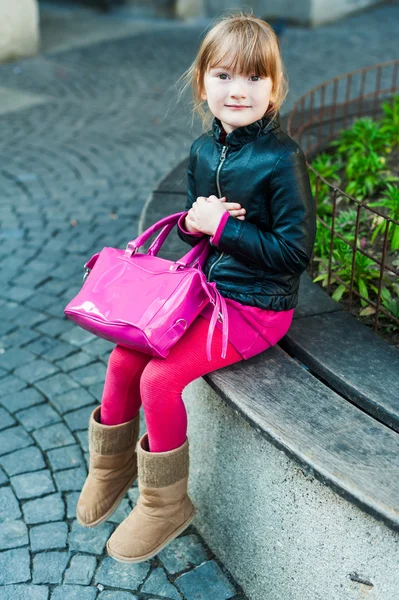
214 240
180 224
230 234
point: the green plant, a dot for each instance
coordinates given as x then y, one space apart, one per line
365 272
323 237
388 302
364 135
391 201
390 123
328 169
366 174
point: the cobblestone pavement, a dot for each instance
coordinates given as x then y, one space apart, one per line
86 134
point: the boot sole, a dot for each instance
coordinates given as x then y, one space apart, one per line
111 510
172 536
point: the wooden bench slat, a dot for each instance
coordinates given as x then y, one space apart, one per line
352 359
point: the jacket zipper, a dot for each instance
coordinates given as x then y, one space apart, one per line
222 159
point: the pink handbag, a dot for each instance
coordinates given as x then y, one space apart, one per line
145 302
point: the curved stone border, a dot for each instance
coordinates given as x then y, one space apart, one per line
352 437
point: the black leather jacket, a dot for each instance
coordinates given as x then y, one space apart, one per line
258 260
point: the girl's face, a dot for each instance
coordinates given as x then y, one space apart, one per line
225 89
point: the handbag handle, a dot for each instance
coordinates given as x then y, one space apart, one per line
196 255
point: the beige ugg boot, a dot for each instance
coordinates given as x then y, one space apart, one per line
163 509
112 469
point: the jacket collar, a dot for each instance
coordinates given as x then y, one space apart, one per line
242 135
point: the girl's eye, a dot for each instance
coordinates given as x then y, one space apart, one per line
225 74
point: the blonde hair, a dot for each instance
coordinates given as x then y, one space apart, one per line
255 48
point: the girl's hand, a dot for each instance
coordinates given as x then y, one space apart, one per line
204 216
233 208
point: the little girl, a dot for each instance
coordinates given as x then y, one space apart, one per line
249 190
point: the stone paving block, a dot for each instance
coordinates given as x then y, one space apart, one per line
37 417
28 317
14 566
3 477
17 293
89 375
74 592
39 300
30 485
9 505
65 458
99 347
10 385
121 512
67 271
41 345
79 419
122 575
72 400
57 308
34 371
53 436
79 359
50 536
133 494
97 390
14 439
58 351
23 461
24 592
43 510
6 419
13 534
71 479
92 541
83 439
183 552
57 384
158 584
49 567
77 336
19 337
111 595
81 569
54 287
28 279
72 500
54 327
204 582
22 399
13 358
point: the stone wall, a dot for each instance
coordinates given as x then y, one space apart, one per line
19 29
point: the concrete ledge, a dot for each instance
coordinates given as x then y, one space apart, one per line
19 29
282 533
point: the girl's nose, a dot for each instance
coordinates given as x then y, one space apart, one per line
237 90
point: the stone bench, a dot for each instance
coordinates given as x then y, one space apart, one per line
294 462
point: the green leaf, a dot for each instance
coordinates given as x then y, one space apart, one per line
338 292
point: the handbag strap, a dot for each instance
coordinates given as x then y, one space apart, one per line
219 312
196 257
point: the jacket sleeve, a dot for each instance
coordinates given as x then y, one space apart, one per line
287 246
186 236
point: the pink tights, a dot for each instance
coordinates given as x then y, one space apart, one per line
134 378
